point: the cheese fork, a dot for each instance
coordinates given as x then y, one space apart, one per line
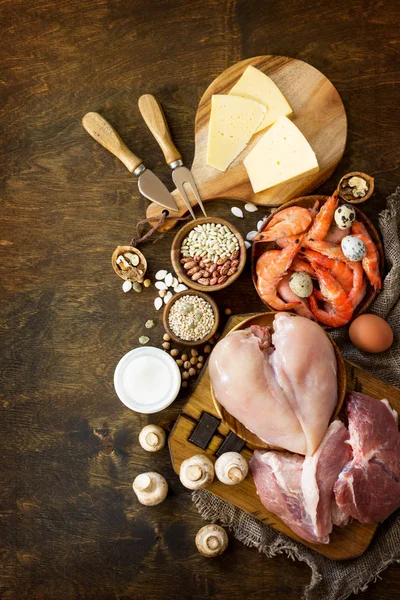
155 120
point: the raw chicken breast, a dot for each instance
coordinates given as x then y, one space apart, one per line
285 395
304 364
368 488
277 476
244 383
320 472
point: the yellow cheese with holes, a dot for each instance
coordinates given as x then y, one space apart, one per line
281 155
233 121
255 85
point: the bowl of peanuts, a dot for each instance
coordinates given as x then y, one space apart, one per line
208 254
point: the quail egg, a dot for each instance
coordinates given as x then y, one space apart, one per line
345 216
301 284
353 248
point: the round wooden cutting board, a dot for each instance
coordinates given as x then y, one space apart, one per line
318 112
264 320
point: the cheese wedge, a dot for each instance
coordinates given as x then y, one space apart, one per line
233 121
255 85
281 155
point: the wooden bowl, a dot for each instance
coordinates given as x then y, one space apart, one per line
266 319
176 254
260 247
171 303
129 275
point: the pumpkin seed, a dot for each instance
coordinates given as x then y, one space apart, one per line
144 339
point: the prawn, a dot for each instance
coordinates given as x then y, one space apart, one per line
340 271
271 267
285 241
302 265
370 262
326 248
358 282
341 308
322 222
290 221
286 293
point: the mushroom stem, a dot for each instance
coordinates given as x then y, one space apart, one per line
194 473
234 473
143 483
211 540
152 439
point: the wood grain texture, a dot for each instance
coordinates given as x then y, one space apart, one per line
348 542
70 527
266 320
318 113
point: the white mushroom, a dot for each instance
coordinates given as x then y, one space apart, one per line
211 540
150 488
196 472
152 438
231 468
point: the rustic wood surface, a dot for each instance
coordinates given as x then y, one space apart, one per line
345 543
70 526
318 111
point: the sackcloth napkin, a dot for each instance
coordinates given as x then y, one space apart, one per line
337 580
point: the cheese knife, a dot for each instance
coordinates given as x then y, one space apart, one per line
149 184
155 120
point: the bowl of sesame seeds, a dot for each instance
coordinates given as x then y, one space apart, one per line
208 254
191 317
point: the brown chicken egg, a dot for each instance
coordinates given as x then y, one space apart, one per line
371 333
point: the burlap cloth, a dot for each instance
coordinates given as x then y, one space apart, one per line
333 580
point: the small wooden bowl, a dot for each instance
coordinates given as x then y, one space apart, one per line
129 275
167 311
266 319
349 198
176 254
307 202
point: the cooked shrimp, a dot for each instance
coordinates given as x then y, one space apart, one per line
286 293
341 308
271 267
286 241
358 282
289 221
326 248
359 295
314 209
302 265
340 271
370 262
335 235
322 222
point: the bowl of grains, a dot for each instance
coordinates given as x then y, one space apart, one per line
191 317
208 254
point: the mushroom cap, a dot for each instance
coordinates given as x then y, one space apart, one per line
196 472
211 540
231 468
152 438
150 488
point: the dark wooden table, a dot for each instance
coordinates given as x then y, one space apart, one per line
70 525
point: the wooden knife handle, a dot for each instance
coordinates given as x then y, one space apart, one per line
105 134
154 118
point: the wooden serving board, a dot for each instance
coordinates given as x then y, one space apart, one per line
348 542
318 112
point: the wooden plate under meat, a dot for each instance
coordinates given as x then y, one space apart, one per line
308 202
266 319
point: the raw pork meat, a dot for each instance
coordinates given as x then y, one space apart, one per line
286 396
300 491
277 476
320 472
368 488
